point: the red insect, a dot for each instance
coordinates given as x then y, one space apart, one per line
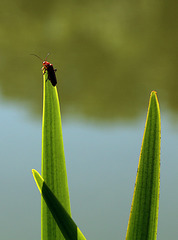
50 70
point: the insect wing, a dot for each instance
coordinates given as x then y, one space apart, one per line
52 75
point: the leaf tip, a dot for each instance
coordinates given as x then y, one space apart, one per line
154 98
33 172
154 95
38 179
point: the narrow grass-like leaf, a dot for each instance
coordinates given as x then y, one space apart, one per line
144 211
53 160
66 224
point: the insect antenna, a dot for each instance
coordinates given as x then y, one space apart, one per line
47 56
37 56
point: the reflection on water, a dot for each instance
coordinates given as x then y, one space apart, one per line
109 55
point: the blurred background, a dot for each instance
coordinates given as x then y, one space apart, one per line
109 56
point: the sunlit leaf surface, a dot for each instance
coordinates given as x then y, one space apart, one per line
144 211
53 160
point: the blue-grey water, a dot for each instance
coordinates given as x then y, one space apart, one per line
101 163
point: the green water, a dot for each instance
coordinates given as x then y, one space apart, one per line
109 54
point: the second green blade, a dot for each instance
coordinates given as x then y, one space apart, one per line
144 212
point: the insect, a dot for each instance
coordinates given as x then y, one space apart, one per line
48 67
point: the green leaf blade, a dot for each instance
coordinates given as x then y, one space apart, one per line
66 224
144 211
53 160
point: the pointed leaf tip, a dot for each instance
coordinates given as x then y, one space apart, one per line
153 95
144 211
153 92
38 179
